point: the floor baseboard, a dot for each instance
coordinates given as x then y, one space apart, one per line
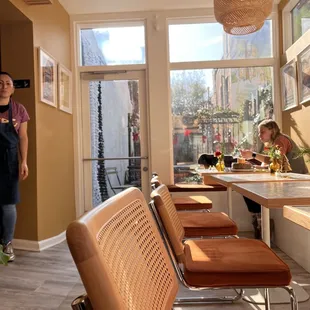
38 246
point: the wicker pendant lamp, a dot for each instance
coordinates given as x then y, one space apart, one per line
240 17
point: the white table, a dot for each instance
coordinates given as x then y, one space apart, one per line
227 179
274 195
208 173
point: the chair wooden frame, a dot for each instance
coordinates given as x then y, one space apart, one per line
177 258
120 256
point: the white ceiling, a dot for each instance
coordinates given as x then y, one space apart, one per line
106 6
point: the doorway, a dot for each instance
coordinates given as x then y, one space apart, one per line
115 139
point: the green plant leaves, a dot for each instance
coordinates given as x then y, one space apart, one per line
4 258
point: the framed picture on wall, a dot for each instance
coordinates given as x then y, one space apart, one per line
303 62
64 89
47 77
289 85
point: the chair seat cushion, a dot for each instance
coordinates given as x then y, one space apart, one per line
192 203
207 224
233 262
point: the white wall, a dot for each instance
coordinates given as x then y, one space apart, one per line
292 239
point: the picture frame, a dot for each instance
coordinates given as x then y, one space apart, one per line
64 89
303 64
289 86
47 78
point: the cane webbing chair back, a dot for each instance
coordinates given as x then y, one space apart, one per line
169 216
121 257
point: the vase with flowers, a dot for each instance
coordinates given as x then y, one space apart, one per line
275 159
220 166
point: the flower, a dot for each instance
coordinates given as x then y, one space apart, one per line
217 154
274 152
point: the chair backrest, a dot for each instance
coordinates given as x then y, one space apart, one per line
155 182
169 216
121 257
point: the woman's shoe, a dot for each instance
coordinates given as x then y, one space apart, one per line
8 249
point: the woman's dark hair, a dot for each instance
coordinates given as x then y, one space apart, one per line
7 74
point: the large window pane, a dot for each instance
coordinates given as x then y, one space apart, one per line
216 109
116 46
203 42
300 19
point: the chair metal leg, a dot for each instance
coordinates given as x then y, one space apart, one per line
204 300
293 299
81 303
267 299
289 289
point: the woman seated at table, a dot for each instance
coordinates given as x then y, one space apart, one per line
269 133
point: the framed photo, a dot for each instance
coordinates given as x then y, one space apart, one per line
303 61
48 76
64 89
289 85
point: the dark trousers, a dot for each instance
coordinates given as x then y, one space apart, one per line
7 223
253 206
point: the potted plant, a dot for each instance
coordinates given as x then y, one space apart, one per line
4 258
303 151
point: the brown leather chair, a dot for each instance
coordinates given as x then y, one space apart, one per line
188 203
121 257
197 224
220 263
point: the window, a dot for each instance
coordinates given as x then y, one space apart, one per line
300 19
217 109
208 41
121 45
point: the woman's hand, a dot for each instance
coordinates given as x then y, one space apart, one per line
246 154
23 171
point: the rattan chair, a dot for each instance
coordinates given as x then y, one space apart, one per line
121 257
197 224
206 264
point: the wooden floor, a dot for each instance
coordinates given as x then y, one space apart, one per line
49 280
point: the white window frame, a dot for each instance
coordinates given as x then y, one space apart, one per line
107 24
238 63
157 77
287 33
78 69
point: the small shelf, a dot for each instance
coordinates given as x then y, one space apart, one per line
298 214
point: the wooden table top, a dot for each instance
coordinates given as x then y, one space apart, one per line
228 179
208 172
298 214
276 194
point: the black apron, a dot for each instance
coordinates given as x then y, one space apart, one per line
9 167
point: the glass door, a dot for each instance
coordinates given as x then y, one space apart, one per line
115 144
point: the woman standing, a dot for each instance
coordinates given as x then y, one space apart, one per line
13 146
269 133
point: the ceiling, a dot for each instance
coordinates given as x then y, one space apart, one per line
107 6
